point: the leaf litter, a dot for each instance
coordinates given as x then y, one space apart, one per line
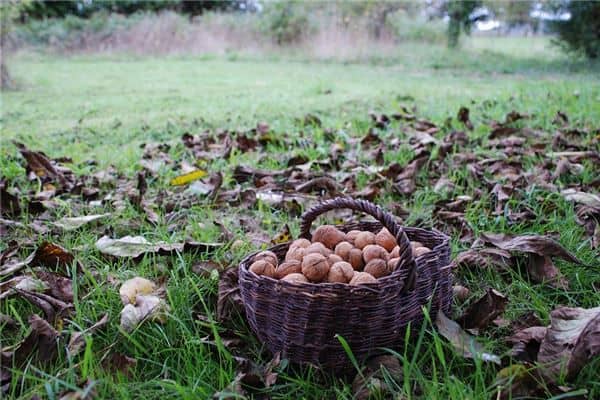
500 165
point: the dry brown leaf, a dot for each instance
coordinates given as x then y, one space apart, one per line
571 341
483 311
77 340
229 299
464 343
9 203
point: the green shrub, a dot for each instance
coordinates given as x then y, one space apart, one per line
285 22
408 27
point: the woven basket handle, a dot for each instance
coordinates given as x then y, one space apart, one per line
386 219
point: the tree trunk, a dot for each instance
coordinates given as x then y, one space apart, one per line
6 81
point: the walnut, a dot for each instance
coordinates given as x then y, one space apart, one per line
377 267
315 267
333 258
295 253
373 251
318 248
419 251
361 278
355 258
295 278
395 253
263 267
343 250
304 243
385 239
268 256
341 272
288 267
393 263
414 245
363 239
351 236
461 293
329 235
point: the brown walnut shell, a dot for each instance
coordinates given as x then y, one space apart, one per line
360 278
329 235
315 267
372 251
355 258
343 250
295 278
393 263
288 267
263 267
364 239
419 251
295 253
385 239
395 253
267 255
319 248
341 272
333 258
351 236
377 267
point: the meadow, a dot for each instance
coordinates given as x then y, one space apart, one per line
105 108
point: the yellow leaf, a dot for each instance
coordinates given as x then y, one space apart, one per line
189 177
283 236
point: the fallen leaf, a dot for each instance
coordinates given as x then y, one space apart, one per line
72 223
135 246
133 287
77 340
59 287
41 166
464 343
205 268
482 312
42 340
463 116
571 341
229 299
282 237
526 343
541 269
9 203
117 362
187 178
53 256
588 199
21 282
536 244
484 258
88 392
370 383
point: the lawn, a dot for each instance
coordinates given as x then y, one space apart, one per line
105 108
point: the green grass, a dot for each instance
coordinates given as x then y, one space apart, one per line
103 108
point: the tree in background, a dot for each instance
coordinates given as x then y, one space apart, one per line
9 11
580 33
459 12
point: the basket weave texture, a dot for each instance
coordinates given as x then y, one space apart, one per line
302 320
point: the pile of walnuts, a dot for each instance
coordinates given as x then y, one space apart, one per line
354 258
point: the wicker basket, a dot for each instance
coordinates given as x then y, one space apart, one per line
301 320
